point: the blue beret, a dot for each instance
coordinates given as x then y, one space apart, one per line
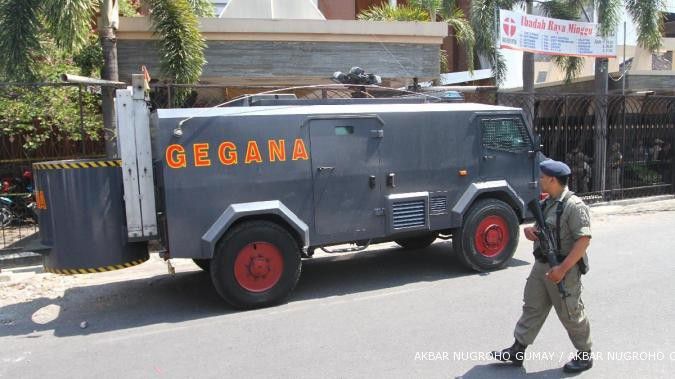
554 168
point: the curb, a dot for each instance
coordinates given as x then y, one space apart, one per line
21 259
637 200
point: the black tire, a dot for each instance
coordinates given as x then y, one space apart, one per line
417 242
498 239
249 235
204 264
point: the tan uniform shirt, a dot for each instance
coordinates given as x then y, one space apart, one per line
575 221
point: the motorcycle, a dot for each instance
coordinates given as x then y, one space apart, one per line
17 203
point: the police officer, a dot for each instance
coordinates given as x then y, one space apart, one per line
541 291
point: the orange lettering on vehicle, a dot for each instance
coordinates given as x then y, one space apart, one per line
175 156
252 153
277 150
201 151
227 152
299 150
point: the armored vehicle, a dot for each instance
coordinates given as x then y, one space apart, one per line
249 192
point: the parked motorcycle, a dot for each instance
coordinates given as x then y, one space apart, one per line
17 203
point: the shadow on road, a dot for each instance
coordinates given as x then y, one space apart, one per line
190 295
507 371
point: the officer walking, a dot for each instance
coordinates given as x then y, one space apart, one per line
541 291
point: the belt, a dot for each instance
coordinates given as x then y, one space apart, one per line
542 258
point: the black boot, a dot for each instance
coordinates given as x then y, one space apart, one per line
515 354
582 361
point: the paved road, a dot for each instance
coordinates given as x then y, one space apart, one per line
383 313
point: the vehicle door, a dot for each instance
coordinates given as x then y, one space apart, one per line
346 167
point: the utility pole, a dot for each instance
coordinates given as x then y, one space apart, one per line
528 77
109 23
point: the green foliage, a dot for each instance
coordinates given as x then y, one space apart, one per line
422 10
181 44
445 64
571 66
483 21
609 14
128 8
68 22
39 113
386 12
648 18
90 58
203 8
19 42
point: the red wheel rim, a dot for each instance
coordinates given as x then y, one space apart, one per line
492 236
258 266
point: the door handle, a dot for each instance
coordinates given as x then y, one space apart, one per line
371 181
391 180
486 157
326 168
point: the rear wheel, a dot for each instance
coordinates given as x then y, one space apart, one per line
256 264
417 242
488 237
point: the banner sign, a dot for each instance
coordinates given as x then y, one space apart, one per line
551 36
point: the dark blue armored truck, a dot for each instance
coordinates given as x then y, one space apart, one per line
248 192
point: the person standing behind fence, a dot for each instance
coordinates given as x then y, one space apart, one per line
579 177
615 163
666 163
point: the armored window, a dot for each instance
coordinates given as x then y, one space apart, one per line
344 130
505 134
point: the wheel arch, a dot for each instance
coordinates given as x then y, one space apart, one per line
274 211
497 189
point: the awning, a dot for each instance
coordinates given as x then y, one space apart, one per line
272 9
465 76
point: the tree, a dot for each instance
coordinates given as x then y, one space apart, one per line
69 24
646 14
428 10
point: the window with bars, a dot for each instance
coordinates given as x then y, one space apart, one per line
505 134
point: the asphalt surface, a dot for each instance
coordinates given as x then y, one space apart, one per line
383 313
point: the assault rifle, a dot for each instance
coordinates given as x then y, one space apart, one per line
547 242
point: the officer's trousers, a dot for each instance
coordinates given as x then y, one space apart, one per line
540 295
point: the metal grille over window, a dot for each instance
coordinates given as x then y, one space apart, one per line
407 214
505 135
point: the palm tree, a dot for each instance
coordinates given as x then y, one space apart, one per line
26 23
429 10
646 14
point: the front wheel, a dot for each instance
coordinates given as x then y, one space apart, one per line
256 264
488 236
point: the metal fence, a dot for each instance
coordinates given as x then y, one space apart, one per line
40 122
621 153
625 152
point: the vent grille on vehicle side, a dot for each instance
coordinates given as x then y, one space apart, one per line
438 205
408 214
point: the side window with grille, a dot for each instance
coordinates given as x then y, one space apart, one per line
505 134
